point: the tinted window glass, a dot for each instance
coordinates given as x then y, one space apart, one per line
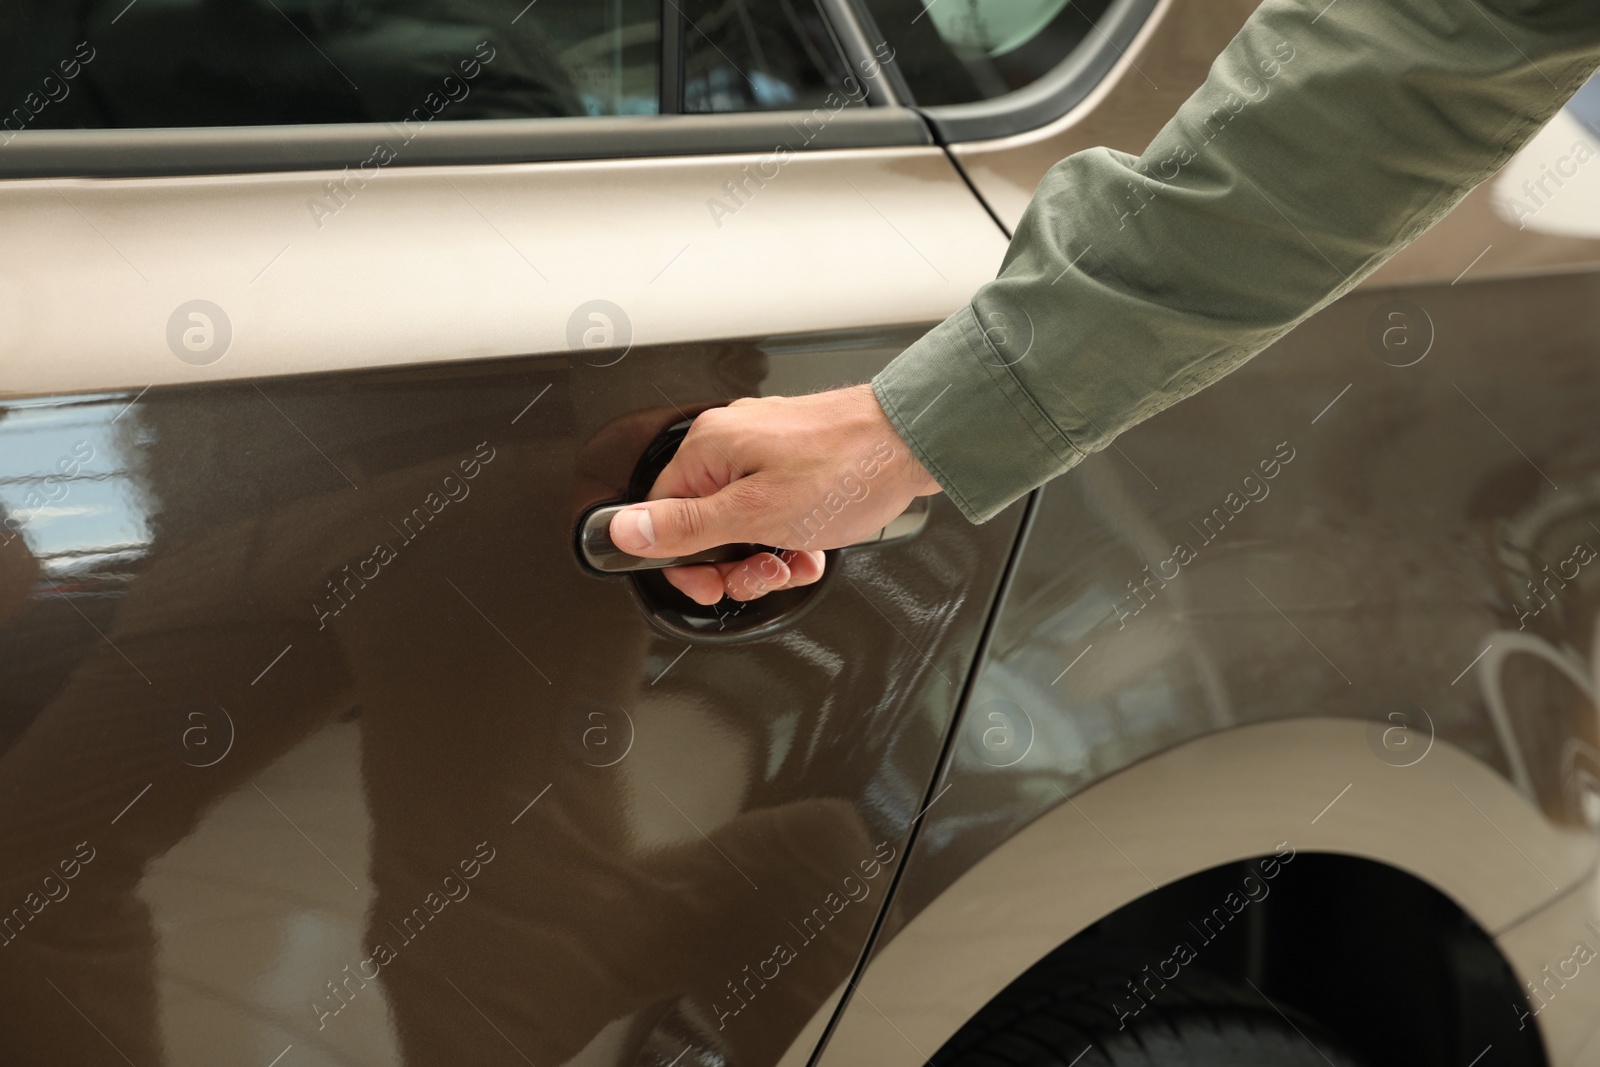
111 63
752 55
958 51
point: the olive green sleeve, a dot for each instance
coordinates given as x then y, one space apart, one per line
1326 137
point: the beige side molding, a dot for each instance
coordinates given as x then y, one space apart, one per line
330 271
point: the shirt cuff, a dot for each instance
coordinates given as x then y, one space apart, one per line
969 421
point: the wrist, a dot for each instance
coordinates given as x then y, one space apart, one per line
908 470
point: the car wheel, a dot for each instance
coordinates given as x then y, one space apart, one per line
1079 1022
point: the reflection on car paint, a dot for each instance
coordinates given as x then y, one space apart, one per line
1387 578
281 741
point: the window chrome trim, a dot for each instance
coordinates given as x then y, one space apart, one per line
252 149
1059 91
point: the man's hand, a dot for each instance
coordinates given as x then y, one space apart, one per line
801 474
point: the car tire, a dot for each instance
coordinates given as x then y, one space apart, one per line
1077 1022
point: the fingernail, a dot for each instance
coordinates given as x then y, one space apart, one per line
632 530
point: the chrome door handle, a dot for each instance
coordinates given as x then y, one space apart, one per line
600 553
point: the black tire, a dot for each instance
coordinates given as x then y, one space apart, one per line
1057 1020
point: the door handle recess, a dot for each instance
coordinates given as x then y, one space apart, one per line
600 553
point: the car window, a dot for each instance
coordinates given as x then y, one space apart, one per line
752 55
180 63
961 51
164 63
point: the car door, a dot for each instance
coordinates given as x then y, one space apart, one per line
323 326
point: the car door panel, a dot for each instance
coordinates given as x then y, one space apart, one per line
350 655
362 762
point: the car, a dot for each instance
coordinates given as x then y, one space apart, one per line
334 732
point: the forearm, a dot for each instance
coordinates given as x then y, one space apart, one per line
1319 146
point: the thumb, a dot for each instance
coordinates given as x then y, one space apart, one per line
659 529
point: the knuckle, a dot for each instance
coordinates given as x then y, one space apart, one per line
709 420
685 520
708 429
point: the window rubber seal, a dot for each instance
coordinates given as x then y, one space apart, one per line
1052 96
143 153
1061 89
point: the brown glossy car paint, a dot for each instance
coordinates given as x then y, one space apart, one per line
455 799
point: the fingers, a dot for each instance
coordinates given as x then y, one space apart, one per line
747 579
701 583
768 572
680 526
752 578
805 567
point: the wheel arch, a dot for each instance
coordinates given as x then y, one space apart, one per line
1450 823
1385 965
